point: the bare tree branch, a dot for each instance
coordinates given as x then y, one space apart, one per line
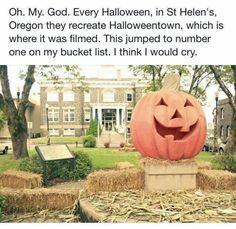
7 96
29 81
223 87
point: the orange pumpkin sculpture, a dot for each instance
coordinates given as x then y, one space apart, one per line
169 125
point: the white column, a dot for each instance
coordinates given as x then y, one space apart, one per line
117 118
100 115
123 117
93 113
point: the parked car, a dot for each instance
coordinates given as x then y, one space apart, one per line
209 145
4 150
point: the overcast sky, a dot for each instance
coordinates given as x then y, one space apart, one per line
92 71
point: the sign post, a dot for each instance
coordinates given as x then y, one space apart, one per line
54 153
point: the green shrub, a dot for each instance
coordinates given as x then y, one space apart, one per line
59 169
107 144
93 128
31 164
89 141
225 162
2 206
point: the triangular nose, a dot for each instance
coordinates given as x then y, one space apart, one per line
176 115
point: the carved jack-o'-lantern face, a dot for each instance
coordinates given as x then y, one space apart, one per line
169 125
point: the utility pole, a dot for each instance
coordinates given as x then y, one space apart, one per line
48 137
98 121
215 147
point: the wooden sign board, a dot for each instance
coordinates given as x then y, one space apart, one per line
54 152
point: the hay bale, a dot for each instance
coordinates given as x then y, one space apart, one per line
148 161
123 165
128 148
24 200
20 179
204 165
115 180
216 179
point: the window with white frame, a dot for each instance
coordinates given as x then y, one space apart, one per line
221 131
54 132
222 113
129 114
52 96
69 115
129 97
69 132
108 96
87 115
53 114
86 97
68 96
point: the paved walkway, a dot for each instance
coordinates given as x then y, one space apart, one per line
110 136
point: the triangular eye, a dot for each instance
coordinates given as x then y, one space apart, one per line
162 102
188 103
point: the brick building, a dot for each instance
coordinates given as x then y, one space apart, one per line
110 99
224 118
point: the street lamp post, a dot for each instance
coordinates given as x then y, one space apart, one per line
216 122
18 95
48 136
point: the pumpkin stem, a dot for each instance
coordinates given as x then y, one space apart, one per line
171 82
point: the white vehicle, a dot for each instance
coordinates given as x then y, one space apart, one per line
209 145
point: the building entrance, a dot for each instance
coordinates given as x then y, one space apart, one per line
109 118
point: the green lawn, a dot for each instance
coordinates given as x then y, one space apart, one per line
205 156
6 162
102 158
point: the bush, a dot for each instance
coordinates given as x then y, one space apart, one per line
107 144
2 206
93 128
225 162
89 141
122 145
59 169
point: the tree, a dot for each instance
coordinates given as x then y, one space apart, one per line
195 79
222 75
93 128
2 120
15 113
157 73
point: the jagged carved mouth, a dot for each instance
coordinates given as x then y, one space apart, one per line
178 135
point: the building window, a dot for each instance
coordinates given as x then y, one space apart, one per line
129 97
222 113
108 96
221 131
52 96
54 132
86 97
87 115
129 114
69 115
227 131
68 96
53 115
69 132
